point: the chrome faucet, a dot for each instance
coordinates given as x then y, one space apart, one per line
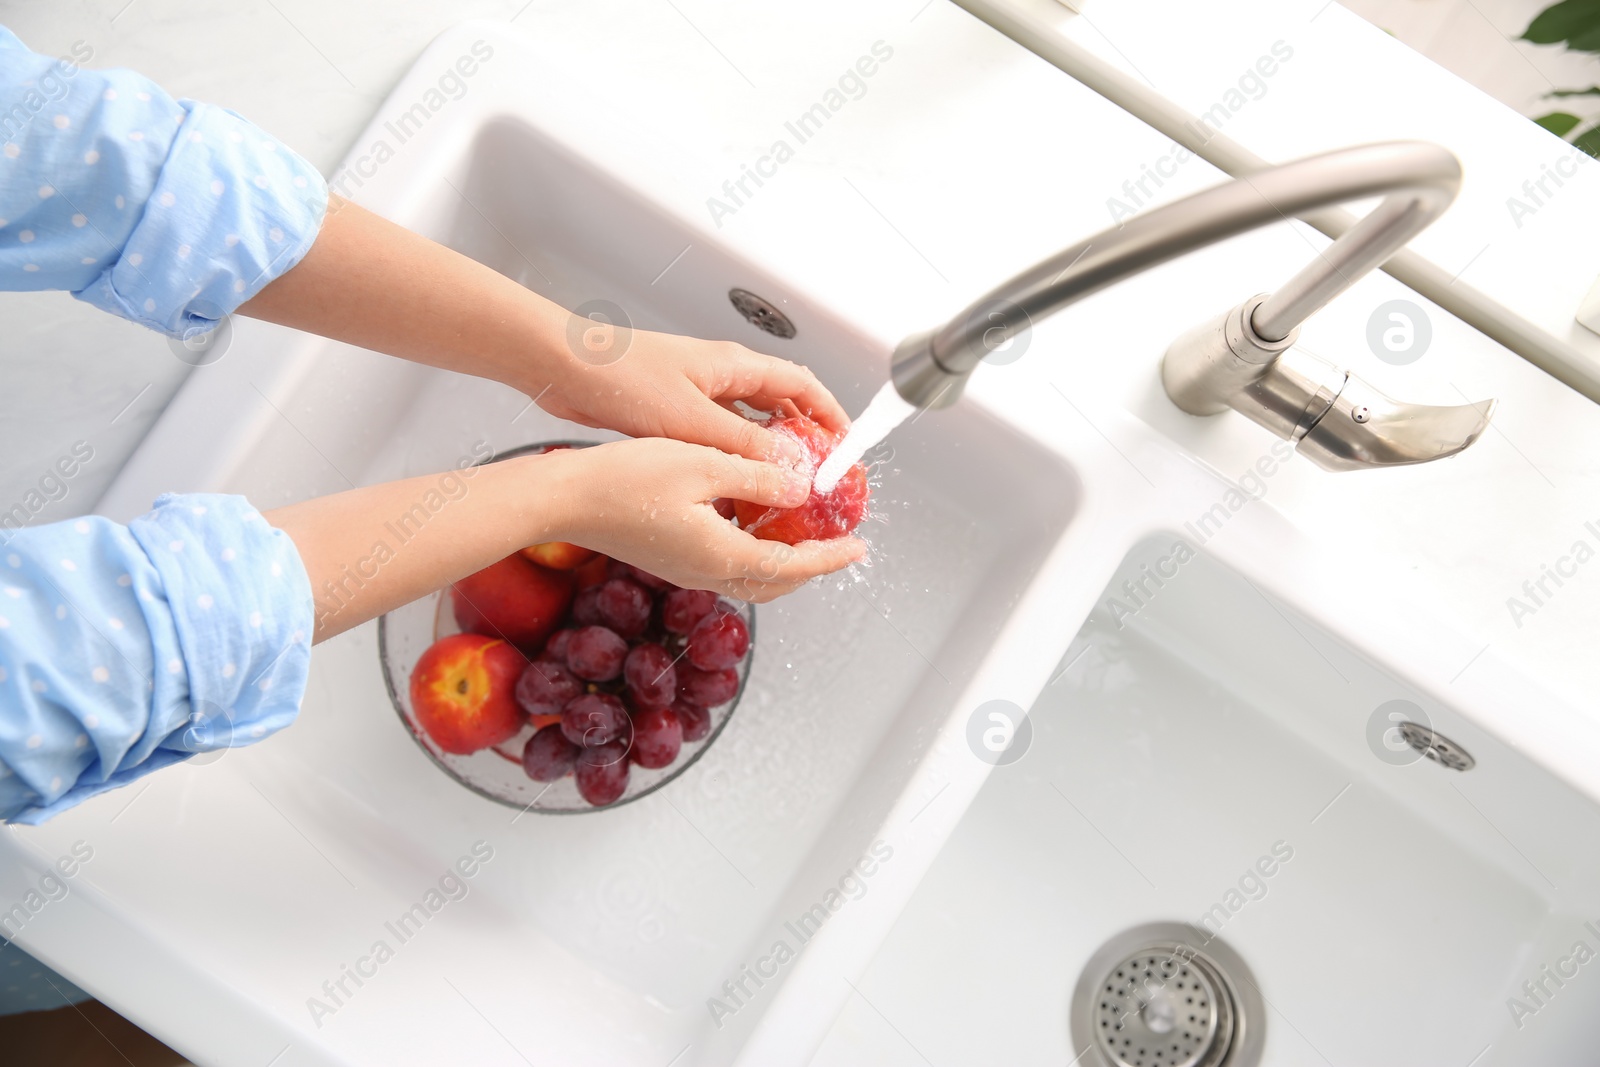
1244 359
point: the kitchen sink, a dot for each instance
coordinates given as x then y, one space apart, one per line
851 874
1215 758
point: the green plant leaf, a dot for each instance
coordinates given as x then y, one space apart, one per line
1593 90
1559 122
1589 141
1563 22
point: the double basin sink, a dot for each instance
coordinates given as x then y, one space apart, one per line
855 872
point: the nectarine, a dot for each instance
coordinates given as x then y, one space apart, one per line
513 599
823 516
559 555
464 692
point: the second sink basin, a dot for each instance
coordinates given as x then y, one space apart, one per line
1214 758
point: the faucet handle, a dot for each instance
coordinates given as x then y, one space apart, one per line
1334 419
1364 428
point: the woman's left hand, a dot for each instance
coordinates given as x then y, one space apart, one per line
371 283
647 384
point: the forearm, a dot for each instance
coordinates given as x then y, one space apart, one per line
369 282
370 550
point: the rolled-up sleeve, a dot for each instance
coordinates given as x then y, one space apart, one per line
167 212
127 648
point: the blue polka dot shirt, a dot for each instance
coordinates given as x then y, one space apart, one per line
126 648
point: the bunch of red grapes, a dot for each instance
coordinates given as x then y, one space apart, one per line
622 691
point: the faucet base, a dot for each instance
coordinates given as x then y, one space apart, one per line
1205 369
1333 418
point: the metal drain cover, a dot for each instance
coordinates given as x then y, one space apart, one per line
761 313
1437 747
1165 1007
1161 995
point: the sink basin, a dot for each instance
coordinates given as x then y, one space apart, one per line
845 874
617 922
1212 735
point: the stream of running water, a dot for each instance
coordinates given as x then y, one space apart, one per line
886 411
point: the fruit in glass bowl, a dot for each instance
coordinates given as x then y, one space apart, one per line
594 641
513 599
558 555
463 692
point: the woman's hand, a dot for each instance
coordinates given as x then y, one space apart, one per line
371 283
647 384
648 502
645 502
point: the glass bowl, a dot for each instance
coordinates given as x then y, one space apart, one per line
405 633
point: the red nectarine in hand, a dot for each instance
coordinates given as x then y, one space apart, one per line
823 516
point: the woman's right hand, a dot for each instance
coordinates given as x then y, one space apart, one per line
648 502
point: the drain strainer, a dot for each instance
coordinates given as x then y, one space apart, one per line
1160 995
1437 747
1165 1008
762 314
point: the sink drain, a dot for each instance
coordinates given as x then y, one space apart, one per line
762 314
1161 996
1437 747
1163 1007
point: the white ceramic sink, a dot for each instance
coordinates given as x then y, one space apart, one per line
226 902
1216 734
